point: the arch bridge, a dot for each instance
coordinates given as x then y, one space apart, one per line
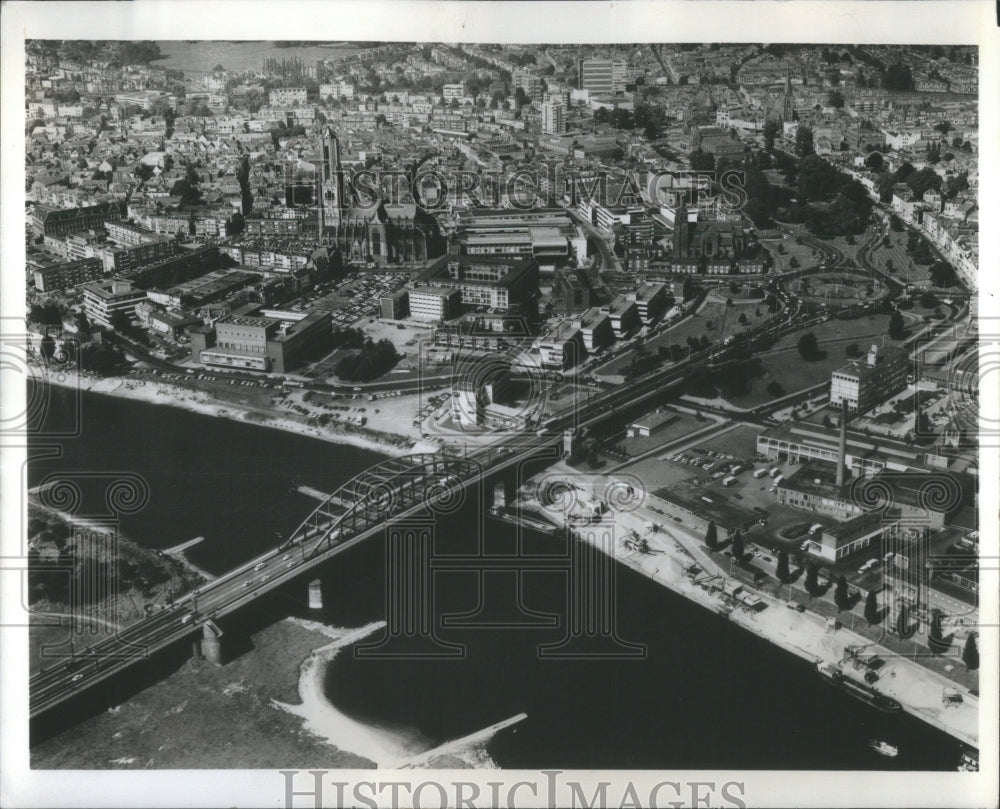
379 493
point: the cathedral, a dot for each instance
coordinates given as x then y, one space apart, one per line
782 108
385 233
713 247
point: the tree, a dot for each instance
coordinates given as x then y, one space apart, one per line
49 313
712 535
896 328
770 131
875 162
853 350
738 549
943 274
187 187
809 347
840 595
835 99
47 347
871 608
804 141
957 184
812 578
935 637
898 77
120 322
903 628
928 300
970 654
701 161
775 389
783 571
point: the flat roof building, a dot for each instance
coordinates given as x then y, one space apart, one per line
434 303
101 299
491 282
863 384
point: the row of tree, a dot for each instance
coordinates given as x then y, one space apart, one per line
845 600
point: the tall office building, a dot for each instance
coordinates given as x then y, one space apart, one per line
602 75
553 118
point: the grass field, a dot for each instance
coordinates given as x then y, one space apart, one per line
896 257
806 256
783 364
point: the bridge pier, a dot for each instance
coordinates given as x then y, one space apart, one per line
315 595
211 643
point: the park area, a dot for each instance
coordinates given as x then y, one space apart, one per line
790 254
784 366
721 316
838 289
889 255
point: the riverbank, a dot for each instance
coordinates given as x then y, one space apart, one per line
87 549
267 709
163 393
677 560
383 747
205 717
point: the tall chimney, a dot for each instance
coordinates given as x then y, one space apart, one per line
842 448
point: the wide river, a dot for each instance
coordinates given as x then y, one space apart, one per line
196 58
705 695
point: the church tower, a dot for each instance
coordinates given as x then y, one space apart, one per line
787 105
332 199
681 230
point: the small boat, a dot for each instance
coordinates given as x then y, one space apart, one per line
883 748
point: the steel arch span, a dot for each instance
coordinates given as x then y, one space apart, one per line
381 492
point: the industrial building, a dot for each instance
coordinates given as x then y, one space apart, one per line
864 454
548 235
868 382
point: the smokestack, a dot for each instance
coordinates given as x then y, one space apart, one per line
842 448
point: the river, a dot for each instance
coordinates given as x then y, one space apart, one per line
196 58
706 694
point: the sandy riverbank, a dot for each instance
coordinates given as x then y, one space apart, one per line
162 393
383 747
386 748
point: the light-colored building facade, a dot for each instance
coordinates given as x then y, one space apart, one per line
866 383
